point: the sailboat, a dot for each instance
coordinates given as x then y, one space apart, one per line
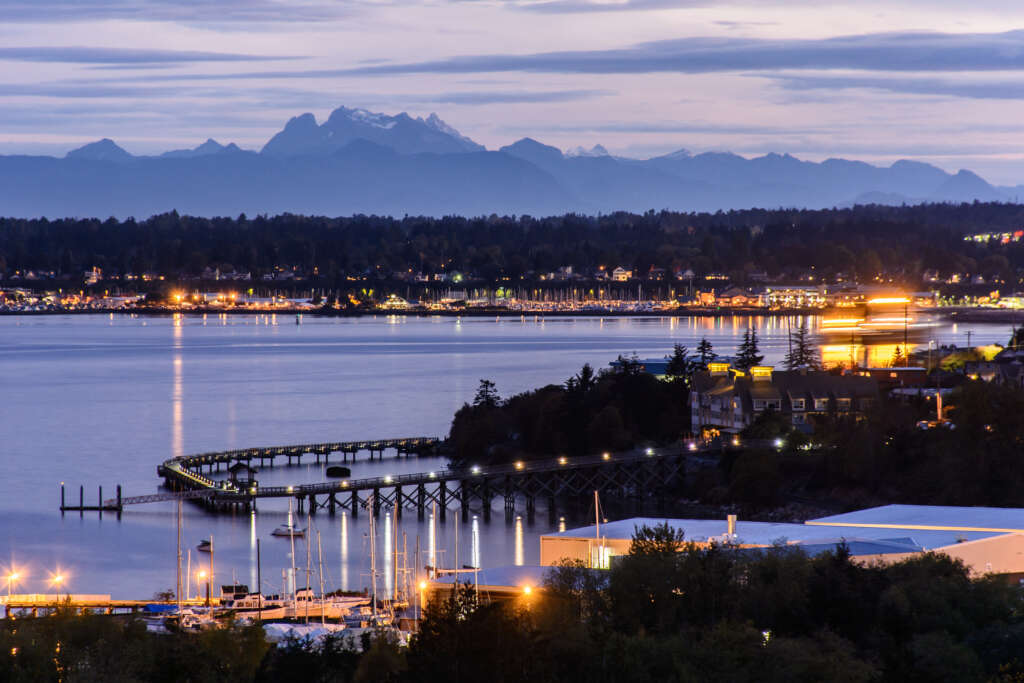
288 530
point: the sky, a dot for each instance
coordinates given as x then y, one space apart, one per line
940 81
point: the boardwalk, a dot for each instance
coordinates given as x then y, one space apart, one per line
631 474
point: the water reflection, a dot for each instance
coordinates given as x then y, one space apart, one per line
476 542
344 552
519 541
178 391
388 584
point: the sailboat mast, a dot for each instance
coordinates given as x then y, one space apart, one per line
210 579
178 591
309 559
291 535
373 559
320 559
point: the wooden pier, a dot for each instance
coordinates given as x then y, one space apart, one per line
633 475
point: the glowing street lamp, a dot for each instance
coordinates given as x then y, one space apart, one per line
57 580
204 577
12 578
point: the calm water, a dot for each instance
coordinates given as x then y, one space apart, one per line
100 401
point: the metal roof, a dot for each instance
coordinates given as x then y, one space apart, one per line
770 533
930 517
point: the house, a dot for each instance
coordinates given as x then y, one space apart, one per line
620 274
729 400
734 296
656 273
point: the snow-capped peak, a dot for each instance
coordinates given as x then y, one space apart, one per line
372 118
580 151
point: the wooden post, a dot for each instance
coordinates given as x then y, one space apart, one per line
62 497
81 500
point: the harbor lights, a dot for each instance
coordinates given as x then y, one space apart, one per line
205 578
12 579
563 460
475 469
520 465
606 456
650 451
57 580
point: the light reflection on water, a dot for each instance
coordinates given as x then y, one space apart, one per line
100 401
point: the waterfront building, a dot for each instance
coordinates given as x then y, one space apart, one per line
729 400
986 540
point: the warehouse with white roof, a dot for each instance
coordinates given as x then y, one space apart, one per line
987 540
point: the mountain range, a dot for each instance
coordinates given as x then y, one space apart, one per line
363 162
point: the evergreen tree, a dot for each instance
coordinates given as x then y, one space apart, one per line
802 352
705 354
679 364
748 355
486 395
898 359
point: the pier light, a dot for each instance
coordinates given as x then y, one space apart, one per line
291 489
692 446
387 479
650 451
606 456
519 465
345 483
563 460
475 469
57 580
423 585
432 475
12 579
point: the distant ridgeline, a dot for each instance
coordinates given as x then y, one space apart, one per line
864 242
363 162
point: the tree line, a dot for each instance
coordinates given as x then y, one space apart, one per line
863 241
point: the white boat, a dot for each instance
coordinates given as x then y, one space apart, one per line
288 531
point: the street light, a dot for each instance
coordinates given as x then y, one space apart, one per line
11 578
203 576
57 580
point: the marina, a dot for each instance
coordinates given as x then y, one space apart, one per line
101 402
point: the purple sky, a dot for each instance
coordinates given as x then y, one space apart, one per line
938 81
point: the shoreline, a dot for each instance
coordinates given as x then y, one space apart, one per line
951 314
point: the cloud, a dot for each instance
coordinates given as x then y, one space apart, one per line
578 6
509 97
184 11
122 56
662 127
986 90
873 51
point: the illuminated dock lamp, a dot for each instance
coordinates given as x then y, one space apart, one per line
520 465
205 578
12 579
57 580
527 589
563 460
606 456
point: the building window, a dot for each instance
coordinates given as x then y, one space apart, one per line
821 404
798 404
